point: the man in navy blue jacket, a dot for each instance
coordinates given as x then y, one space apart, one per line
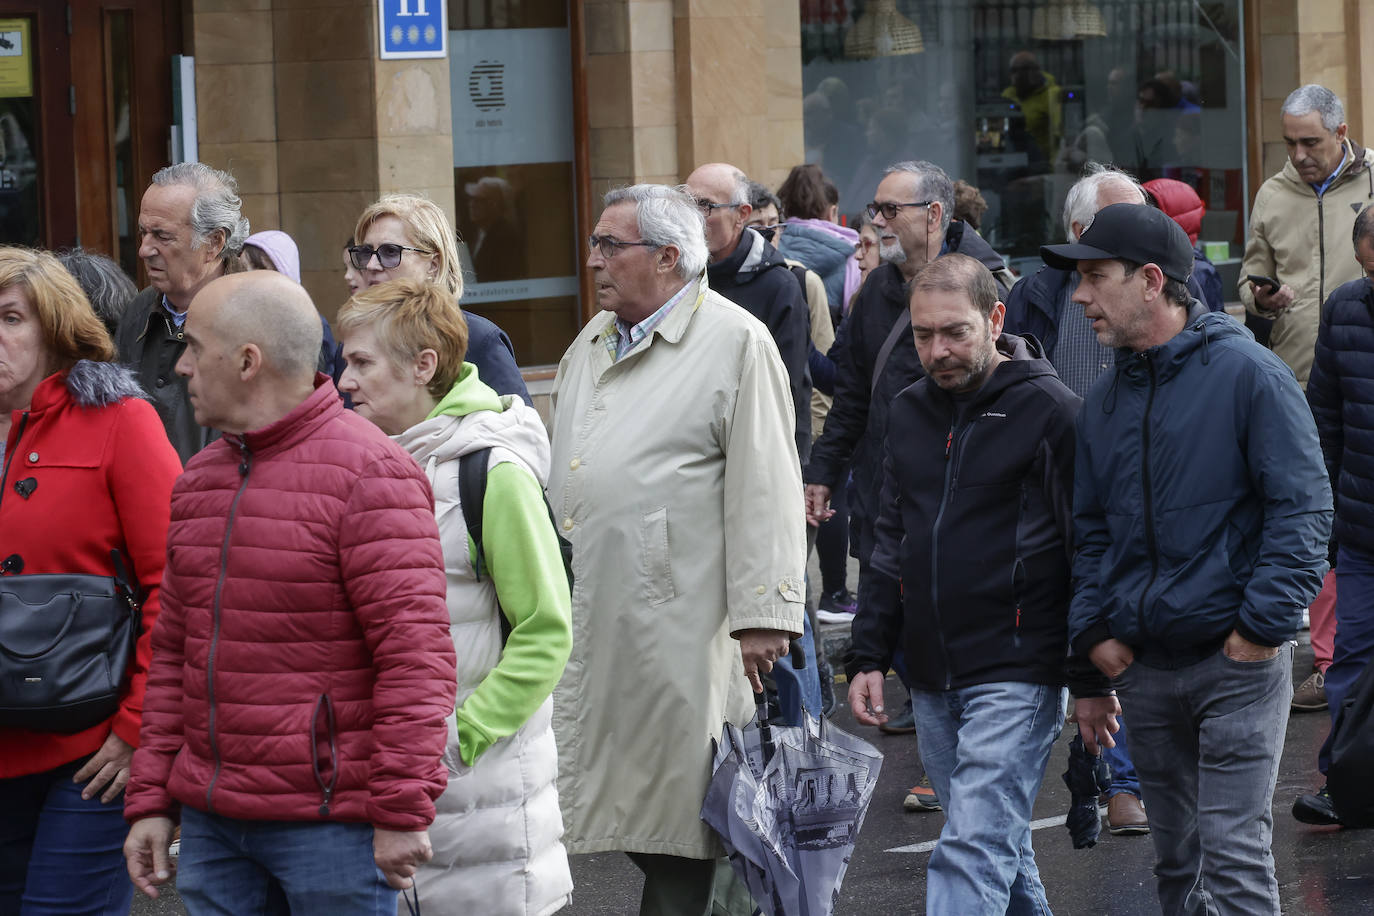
1201 518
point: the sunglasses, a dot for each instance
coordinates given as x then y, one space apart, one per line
388 255
889 209
768 232
609 246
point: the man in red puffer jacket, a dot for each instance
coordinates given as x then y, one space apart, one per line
302 665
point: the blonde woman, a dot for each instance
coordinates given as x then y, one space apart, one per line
497 833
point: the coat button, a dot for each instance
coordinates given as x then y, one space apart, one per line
575 463
161 381
761 590
567 524
33 457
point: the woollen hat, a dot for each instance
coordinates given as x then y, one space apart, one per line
280 249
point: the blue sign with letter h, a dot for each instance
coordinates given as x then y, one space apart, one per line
412 28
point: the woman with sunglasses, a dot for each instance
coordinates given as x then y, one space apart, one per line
810 201
408 237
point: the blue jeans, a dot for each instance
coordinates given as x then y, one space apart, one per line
230 867
799 688
985 749
1207 744
58 852
1118 758
1354 645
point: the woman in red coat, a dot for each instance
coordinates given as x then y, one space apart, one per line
87 470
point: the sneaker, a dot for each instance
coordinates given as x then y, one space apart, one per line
1316 809
921 797
1126 816
1310 695
904 723
827 679
837 607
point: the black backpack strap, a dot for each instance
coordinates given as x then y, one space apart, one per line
472 494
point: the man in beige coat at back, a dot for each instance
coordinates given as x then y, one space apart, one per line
1300 226
676 478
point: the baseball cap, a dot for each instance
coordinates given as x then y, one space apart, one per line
1134 232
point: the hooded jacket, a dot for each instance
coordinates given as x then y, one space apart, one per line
1201 504
100 472
1303 240
857 422
302 666
497 828
755 277
1181 202
972 544
827 249
1341 394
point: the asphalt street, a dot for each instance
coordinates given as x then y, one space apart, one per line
1322 871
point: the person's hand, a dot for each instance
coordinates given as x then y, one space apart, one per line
1111 656
760 649
108 769
1097 721
1240 649
817 503
398 852
866 698
146 853
1277 301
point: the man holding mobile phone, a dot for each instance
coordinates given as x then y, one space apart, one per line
1301 223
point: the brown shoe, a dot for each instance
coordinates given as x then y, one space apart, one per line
1310 695
1126 816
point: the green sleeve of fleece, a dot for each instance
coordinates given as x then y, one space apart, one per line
524 563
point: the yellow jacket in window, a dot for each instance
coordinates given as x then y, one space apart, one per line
675 477
1304 241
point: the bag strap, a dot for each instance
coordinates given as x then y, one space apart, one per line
903 326
472 494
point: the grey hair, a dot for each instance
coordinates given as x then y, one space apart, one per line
103 281
216 207
1312 97
934 184
760 196
667 216
1364 225
1081 204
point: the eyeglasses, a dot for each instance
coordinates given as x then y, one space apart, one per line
889 210
863 245
609 246
768 232
388 255
707 206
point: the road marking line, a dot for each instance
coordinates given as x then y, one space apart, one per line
930 844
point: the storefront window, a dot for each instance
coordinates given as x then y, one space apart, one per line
510 65
1015 96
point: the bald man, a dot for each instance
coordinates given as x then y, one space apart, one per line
302 666
748 271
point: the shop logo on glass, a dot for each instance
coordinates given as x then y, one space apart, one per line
487 85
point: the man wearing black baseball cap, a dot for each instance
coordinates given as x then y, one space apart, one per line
1201 517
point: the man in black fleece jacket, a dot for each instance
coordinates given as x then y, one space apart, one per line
750 273
971 563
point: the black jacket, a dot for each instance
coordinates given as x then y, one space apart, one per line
857 422
1341 394
972 545
755 277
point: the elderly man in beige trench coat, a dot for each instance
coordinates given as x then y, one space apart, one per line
675 477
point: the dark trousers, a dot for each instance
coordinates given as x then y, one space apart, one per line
59 853
832 543
1354 645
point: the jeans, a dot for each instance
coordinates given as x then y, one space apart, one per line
59 853
231 867
1354 632
1207 740
799 688
985 749
1124 778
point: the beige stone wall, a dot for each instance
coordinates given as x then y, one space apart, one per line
294 101
1313 41
674 83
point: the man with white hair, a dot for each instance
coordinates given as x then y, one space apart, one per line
190 230
676 478
1301 223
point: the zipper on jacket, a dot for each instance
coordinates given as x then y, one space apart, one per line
326 789
952 456
1147 496
245 465
1321 254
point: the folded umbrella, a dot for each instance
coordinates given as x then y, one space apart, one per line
1087 777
